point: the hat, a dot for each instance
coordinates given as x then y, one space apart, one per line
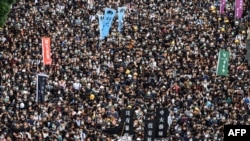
129 106
92 97
173 42
135 73
236 41
127 72
226 21
212 8
222 29
21 105
243 32
135 28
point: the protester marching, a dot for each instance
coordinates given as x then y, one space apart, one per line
107 70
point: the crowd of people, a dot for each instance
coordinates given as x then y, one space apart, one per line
166 56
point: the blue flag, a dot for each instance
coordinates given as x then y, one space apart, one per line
121 13
100 17
107 21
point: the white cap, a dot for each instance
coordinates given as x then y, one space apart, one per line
21 105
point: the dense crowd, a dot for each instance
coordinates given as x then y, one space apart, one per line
166 56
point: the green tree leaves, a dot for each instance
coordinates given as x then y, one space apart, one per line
5 7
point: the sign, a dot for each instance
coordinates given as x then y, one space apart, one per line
149 130
161 122
223 62
40 87
46 51
128 121
235 132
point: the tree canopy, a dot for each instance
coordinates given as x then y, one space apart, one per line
5 7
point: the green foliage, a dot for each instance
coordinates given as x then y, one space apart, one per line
4 10
8 1
3 20
11 1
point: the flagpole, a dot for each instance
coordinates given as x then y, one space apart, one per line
122 129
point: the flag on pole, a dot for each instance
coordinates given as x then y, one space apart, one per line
41 80
46 51
223 62
121 13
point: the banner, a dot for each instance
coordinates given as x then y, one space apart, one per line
128 121
149 130
100 17
223 62
238 9
107 21
241 8
40 87
222 6
161 122
121 13
46 51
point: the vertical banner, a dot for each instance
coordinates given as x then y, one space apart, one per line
149 130
223 62
238 9
241 8
222 6
46 51
107 21
40 87
100 17
121 13
161 122
128 121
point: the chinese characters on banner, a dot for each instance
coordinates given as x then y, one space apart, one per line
46 51
222 6
128 121
238 9
161 122
149 130
107 21
223 62
40 87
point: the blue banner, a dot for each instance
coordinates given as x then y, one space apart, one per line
100 17
107 21
121 13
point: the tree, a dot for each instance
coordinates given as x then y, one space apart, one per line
5 7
